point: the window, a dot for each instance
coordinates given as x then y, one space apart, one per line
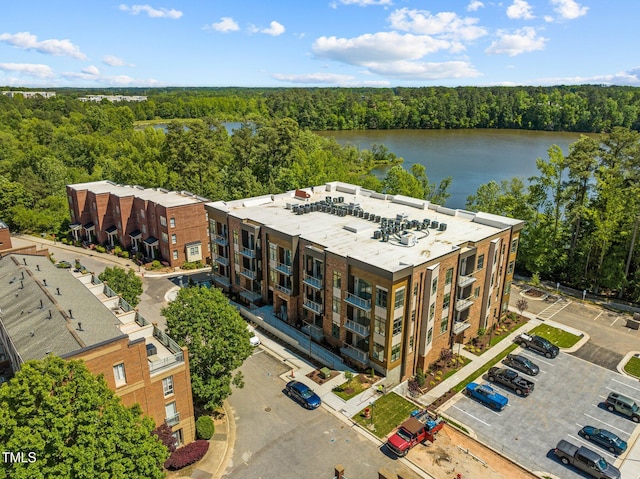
175 254
163 221
144 229
415 289
336 304
514 245
381 297
178 436
171 414
141 213
480 262
379 325
174 238
510 269
476 292
167 386
429 335
165 237
117 210
444 324
273 252
172 222
397 326
507 288
335 330
446 301
434 285
395 352
193 250
337 280
119 375
378 352
432 310
411 344
235 238
399 301
502 251
449 276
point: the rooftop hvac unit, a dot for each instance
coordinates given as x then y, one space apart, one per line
314 207
426 221
414 223
307 208
442 227
340 199
295 208
151 350
434 224
300 211
360 214
372 217
377 234
377 219
366 216
401 216
328 199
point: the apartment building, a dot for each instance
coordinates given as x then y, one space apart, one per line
29 94
46 310
167 225
5 237
389 281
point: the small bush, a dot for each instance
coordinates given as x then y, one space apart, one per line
101 249
165 435
481 331
155 264
420 377
432 383
124 254
348 375
117 250
205 427
438 378
187 455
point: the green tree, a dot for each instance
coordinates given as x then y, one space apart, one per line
76 426
125 283
203 320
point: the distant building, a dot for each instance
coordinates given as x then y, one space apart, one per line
30 94
5 237
167 225
112 98
65 312
389 280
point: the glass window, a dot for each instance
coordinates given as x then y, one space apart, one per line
175 254
397 326
381 297
336 304
378 352
172 222
337 279
163 221
335 330
399 299
235 237
194 250
449 276
476 292
178 436
144 229
395 352
167 386
429 335
480 262
119 375
174 238
446 301
434 285
444 324
165 237
380 325
171 411
411 344
415 289
141 213
432 310
514 245
510 269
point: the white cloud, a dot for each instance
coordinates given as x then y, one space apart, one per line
630 77
361 3
521 41
520 9
327 78
91 70
27 41
94 77
474 5
226 24
275 29
152 12
425 70
32 69
114 61
445 24
377 47
569 9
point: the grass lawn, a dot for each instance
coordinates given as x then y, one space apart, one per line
633 366
559 337
388 412
484 369
350 389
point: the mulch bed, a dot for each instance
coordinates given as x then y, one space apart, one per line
533 293
318 379
510 323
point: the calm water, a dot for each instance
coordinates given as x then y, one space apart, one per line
471 157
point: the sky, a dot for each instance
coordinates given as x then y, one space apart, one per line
324 43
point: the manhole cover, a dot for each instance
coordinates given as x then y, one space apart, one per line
267 409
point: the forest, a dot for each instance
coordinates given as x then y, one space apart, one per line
581 211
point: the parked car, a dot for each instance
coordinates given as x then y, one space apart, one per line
538 344
303 394
604 438
586 460
624 405
511 379
522 364
486 395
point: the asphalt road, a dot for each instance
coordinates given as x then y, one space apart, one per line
277 438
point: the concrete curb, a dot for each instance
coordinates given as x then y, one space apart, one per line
624 361
215 462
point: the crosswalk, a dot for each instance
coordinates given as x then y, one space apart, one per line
553 309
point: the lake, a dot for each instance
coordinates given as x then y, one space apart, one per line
470 157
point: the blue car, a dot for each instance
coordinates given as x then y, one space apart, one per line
486 395
303 394
604 438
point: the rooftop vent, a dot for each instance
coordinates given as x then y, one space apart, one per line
442 227
434 224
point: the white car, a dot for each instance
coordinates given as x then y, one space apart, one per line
254 340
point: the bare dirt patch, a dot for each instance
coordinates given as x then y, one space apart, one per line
446 458
318 378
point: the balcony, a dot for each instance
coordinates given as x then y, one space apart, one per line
358 302
283 289
251 296
249 253
283 268
312 281
222 280
464 303
173 420
355 353
222 260
220 239
357 328
465 280
314 331
155 366
312 306
460 326
247 273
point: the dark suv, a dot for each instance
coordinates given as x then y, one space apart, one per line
616 402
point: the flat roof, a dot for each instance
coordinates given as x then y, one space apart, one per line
159 196
26 301
351 236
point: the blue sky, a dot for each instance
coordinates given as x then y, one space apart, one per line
379 43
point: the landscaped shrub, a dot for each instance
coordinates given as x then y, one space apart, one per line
205 427
100 249
155 264
187 455
124 254
420 377
117 250
165 434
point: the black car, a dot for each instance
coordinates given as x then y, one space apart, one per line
303 394
604 438
522 364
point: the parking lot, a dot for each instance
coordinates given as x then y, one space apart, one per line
569 394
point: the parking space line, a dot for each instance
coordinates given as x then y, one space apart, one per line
614 321
538 360
599 314
600 451
625 384
471 415
607 424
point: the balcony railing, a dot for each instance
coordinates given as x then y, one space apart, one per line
312 281
220 239
223 280
250 296
155 366
283 289
358 302
465 280
464 303
356 354
459 326
357 328
173 420
247 273
283 268
316 332
222 260
312 306
249 253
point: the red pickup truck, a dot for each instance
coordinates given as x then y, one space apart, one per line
421 426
